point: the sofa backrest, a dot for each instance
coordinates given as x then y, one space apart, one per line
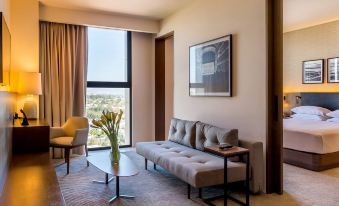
199 135
182 132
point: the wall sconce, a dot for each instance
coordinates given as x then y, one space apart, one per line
30 84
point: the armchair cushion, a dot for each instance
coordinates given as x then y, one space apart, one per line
57 132
62 141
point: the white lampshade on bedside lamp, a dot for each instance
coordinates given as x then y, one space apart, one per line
30 84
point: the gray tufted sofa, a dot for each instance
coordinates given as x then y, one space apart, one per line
183 155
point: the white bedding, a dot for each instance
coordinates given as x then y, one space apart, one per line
319 137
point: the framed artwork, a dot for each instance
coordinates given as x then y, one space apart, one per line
333 70
313 71
210 72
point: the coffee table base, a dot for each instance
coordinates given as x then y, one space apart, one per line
118 192
121 196
104 182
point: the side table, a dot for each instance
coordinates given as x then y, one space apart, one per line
235 151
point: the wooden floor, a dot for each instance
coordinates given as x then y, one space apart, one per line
32 181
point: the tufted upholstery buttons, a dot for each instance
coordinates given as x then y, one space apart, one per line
182 132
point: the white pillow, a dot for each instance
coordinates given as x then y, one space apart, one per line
309 117
310 110
334 114
333 120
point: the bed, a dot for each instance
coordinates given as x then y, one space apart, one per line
309 144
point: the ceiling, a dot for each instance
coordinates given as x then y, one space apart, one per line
153 9
305 13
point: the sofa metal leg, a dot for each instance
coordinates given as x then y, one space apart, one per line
86 150
145 164
188 191
200 193
154 166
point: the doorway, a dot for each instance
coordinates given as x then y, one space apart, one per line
164 49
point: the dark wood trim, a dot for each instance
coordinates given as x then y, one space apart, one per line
311 161
274 172
165 36
159 89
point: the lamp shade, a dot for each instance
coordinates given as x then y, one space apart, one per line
30 83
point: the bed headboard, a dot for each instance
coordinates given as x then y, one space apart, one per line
329 100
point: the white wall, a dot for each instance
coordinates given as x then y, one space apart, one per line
142 87
316 42
89 18
203 21
25 42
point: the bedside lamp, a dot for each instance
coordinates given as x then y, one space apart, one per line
30 84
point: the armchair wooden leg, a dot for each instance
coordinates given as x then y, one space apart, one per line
67 153
188 191
86 150
200 193
53 154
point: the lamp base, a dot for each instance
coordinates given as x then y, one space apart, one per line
30 109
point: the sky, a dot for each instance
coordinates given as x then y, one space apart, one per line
107 55
107 59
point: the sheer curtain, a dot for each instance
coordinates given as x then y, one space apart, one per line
63 65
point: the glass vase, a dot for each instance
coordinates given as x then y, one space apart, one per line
115 153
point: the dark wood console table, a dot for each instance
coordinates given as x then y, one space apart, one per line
31 138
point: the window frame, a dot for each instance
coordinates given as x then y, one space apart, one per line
127 84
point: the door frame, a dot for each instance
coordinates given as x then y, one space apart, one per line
274 138
159 86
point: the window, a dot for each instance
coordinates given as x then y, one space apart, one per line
109 81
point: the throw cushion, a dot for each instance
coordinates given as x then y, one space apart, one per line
209 135
182 132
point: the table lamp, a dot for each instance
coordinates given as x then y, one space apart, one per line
30 85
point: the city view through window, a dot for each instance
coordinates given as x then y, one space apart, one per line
108 86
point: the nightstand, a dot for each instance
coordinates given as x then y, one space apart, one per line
234 151
31 138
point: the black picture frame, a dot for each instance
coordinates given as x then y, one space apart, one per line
211 75
313 71
329 75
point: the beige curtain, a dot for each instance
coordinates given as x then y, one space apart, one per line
63 65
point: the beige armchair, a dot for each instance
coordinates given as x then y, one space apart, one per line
73 133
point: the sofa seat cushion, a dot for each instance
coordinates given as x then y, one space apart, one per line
195 167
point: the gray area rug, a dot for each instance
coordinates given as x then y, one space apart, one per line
150 187
301 187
